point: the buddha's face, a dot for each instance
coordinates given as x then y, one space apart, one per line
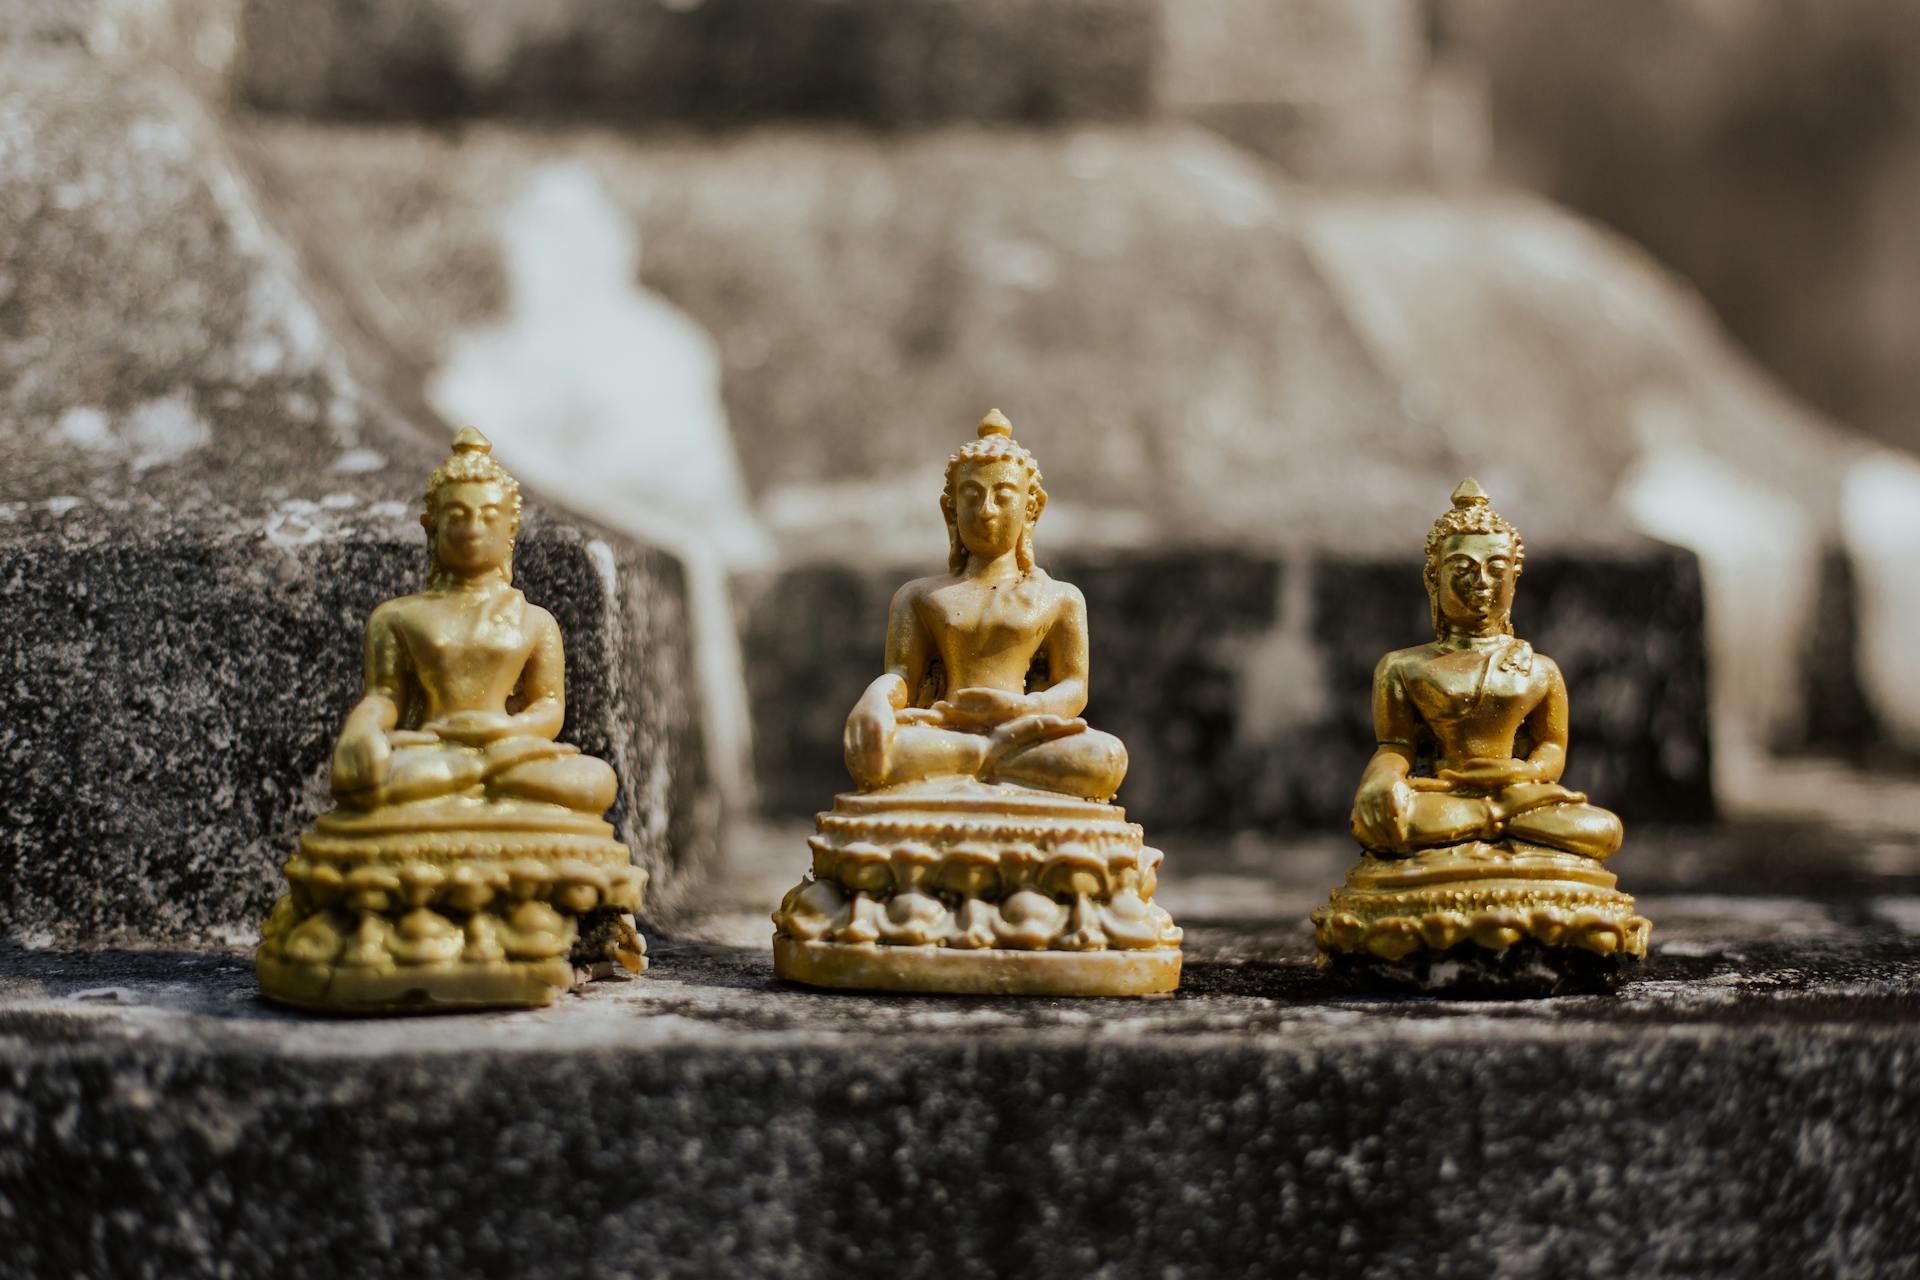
1476 582
471 527
990 503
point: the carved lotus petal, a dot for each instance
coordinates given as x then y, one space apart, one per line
1083 931
913 865
1130 923
1442 929
575 899
419 882
574 871
317 940
826 857
863 921
915 919
974 925
971 872
1029 921
526 878
424 937
468 888
1021 867
1077 871
483 941
326 884
1392 939
535 931
368 947
864 865
812 910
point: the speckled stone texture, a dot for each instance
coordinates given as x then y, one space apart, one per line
1747 1108
173 704
206 489
1240 683
885 62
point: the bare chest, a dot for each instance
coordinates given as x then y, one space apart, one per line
979 620
462 644
1472 690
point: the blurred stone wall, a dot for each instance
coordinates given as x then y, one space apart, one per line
1768 150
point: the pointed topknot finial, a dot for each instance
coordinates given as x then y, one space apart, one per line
995 424
1469 494
471 441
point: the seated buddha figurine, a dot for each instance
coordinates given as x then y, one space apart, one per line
986 664
1473 850
466 863
981 852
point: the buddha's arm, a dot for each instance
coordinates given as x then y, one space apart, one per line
1548 726
542 695
361 753
1384 802
1067 661
871 724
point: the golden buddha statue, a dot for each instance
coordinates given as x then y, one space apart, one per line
981 853
1475 854
466 863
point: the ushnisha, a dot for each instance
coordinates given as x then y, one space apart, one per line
981 852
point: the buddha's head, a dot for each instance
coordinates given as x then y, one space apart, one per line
992 498
1473 560
473 511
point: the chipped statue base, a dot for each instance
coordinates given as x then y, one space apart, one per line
964 887
1479 919
455 903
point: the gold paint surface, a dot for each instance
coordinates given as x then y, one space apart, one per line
467 849
1468 833
982 843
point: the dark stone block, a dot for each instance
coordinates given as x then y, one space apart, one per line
1188 649
1840 718
173 704
881 62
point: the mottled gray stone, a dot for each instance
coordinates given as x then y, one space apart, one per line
883 62
1747 1107
204 495
1240 682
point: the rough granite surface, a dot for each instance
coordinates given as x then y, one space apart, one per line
1241 683
1746 1108
205 494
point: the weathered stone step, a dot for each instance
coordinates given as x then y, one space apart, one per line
1746 1108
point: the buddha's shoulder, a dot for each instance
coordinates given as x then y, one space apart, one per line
918 589
539 620
1409 661
399 611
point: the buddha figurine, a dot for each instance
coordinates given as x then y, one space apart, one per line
466 863
1481 873
982 852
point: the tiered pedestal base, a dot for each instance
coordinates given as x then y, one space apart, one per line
1505 919
970 888
458 903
